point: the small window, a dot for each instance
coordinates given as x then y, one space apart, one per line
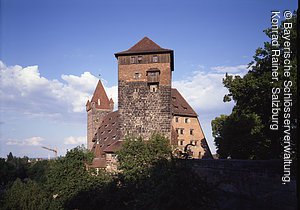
177 130
154 59
180 142
192 142
98 101
132 59
140 58
137 75
139 129
177 119
181 131
186 120
153 88
196 143
191 131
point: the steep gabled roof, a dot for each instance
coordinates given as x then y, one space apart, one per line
179 106
107 134
144 46
100 96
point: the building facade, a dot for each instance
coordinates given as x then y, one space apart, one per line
147 104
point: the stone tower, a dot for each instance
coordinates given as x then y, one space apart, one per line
97 109
144 89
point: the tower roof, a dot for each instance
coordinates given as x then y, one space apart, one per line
100 98
144 46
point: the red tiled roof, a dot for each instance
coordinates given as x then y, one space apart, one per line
145 45
107 134
98 163
179 106
101 95
114 147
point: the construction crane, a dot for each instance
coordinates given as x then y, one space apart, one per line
50 149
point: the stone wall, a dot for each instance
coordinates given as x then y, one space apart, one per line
142 112
246 184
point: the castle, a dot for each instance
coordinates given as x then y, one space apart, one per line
147 103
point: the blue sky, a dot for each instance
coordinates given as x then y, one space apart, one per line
53 51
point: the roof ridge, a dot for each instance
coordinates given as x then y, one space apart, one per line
145 45
142 42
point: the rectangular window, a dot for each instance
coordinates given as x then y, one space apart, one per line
177 119
191 131
155 59
196 142
181 131
186 120
153 88
137 75
180 143
177 130
133 59
139 58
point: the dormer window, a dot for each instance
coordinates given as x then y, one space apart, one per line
155 59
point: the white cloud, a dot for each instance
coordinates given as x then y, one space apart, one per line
204 90
25 90
75 140
33 141
231 69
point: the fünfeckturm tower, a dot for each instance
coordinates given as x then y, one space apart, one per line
144 89
97 109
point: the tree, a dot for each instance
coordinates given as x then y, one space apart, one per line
38 171
252 94
68 177
28 195
136 155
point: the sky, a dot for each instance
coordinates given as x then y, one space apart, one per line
53 51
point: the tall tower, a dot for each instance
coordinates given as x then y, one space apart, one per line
144 89
97 109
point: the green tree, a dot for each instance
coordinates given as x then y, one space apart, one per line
28 195
137 156
252 94
68 176
38 171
